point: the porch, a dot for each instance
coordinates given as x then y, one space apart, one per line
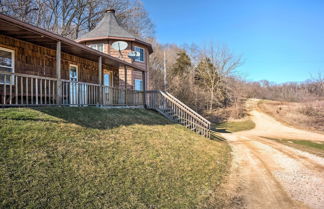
40 68
29 90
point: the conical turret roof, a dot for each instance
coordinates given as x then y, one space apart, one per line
108 27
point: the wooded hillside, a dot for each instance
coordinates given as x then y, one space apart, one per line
205 78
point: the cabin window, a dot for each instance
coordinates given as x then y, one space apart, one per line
98 47
106 79
138 85
7 65
140 58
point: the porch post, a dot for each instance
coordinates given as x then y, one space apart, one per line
125 84
144 88
100 80
58 74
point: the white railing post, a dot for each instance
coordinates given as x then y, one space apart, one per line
125 68
144 88
100 80
58 74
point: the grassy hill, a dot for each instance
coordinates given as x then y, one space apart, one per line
104 158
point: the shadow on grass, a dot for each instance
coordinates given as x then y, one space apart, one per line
221 130
88 117
216 137
99 118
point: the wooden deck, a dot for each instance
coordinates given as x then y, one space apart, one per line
29 90
20 90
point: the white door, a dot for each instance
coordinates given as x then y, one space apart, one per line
74 84
107 94
107 79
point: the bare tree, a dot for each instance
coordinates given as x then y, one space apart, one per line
71 18
216 65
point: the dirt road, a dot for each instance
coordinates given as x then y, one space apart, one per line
267 174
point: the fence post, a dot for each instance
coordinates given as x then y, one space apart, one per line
125 84
144 88
100 80
58 74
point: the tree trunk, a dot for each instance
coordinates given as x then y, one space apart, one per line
211 98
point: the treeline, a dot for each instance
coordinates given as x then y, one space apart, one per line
207 81
71 18
309 90
203 78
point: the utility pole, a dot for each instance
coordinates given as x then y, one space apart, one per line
164 72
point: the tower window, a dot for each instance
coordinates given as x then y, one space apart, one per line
98 47
140 58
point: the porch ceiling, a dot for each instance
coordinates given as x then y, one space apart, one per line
26 32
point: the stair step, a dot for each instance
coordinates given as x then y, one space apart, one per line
166 110
177 116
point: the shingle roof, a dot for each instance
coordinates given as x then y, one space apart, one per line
108 27
23 31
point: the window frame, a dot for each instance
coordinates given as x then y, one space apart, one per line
138 60
110 79
142 87
77 71
96 46
12 67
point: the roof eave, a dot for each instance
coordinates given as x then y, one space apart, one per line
149 46
63 40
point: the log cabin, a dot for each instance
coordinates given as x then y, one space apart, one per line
38 67
41 68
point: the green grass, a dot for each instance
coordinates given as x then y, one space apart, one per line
104 158
234 126
315 147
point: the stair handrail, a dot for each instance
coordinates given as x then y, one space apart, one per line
199 121
185 108
188 108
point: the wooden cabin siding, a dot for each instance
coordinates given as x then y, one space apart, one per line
129 78
29 58
32 59
123 55
137 75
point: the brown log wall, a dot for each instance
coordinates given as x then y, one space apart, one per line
32 59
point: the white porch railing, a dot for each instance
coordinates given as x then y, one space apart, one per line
30 90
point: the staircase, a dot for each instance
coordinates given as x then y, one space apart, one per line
178 112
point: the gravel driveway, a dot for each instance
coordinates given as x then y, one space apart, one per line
267 174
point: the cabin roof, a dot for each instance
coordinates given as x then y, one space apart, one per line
23 31
109 28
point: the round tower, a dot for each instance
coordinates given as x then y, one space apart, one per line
110 38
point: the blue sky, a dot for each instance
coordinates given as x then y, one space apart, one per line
280 40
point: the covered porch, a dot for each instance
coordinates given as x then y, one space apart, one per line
53 70
29 90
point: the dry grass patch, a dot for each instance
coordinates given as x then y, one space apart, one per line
234 126
305 115
314 147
